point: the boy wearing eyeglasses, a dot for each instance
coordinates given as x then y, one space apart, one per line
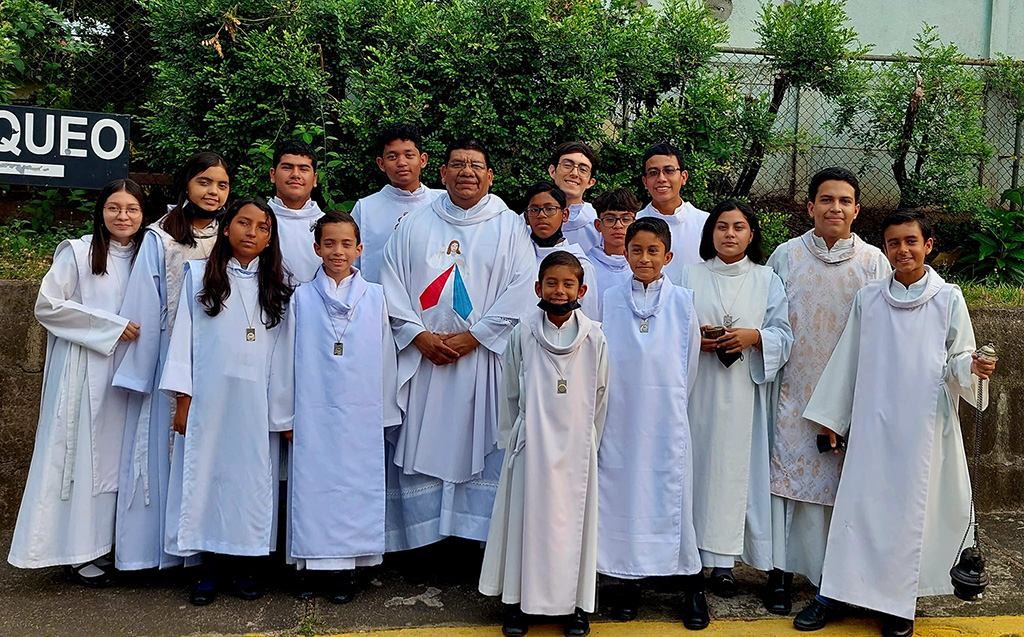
616 210
663 177
545 213
573 168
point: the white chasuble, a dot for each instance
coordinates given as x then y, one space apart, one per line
449 271
903 503
67 508
295 234
151 300
590 303
223 483
729 408
580 229
345 395
646 458
542 546
611 270
686 225
378 215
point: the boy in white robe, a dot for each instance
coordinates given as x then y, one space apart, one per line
664 176
645 462
615 209
823 269
573 167
345 396
70 497
401 160
545 213
745 304
904 500
294 176
541 553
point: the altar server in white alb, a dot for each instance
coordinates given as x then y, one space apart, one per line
822 269
68 506
646 460
345 396
457 277
573 168
188 231
401 160
294 177
544 214
228 365
616 209
664 175
541 553
892 388
729 406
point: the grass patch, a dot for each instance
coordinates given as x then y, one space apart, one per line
1001 295
26 254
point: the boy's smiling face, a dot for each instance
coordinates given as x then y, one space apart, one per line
339 248
573 174
663 178
559 284
833 210
906 248
646 256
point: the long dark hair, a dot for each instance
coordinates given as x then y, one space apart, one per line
178 222
274 292
100 235
754 251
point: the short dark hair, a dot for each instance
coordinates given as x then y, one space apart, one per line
908 215
617 199
468 144
561 257
334 216
568 148
663 148
545 185
405 132
834 173
656 226
294 147
754 251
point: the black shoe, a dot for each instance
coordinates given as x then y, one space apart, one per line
695 610
204 591
577 624
244 587
102 580
897 626
302 586
815 616
514 624
778 594
340 587
723 583
625 604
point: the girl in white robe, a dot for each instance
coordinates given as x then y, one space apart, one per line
729 406
231 341
541 553
68 506
186 232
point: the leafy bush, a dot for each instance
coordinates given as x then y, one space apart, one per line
774 229
996 252
37 48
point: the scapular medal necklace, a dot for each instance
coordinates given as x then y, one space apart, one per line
728 320
339 340
250 332
562 386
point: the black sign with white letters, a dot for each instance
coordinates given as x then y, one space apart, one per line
62 149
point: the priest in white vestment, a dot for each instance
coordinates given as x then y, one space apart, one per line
729 407
664 176
457 277
822 270
401 160
541 553
573 167
294 177
904 500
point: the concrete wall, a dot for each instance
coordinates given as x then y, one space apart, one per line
1000 478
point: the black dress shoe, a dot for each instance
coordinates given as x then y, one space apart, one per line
723 584
244 587
514 623
340 587
778 594
101 580
302 587
815 616
203 592
577 624
695 610
625 604
897 626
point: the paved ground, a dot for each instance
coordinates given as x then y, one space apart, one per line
434 589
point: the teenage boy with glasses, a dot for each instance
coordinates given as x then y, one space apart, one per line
573 168
616 209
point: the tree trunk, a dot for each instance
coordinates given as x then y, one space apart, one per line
899 164
755 158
